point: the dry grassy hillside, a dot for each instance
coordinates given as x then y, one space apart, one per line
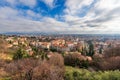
5 51
3 44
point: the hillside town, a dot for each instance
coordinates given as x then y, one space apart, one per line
62 43
18 53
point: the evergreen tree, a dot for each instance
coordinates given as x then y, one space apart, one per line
44 55
18 54
91 49
100 50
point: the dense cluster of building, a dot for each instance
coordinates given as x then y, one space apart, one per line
62 43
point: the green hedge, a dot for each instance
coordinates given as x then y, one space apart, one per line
83 74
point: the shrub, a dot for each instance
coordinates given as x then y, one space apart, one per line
112 52
36 69
110 59
76 60
18 54
82 74
111 63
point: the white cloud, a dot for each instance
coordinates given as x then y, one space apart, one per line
107 4
75 6
31 14
30 3
25 25
14 22
7 12
103 17
13 2
50 3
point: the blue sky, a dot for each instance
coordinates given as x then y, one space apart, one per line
60 16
